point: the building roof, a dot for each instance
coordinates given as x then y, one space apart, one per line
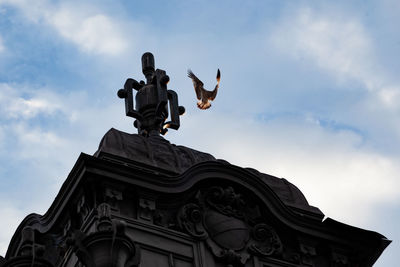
159 153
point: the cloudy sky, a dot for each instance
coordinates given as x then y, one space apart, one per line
310 91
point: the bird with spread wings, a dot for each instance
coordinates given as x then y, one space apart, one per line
204 97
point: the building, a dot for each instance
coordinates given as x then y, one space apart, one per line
142 201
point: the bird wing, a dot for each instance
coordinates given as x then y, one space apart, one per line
212 94
198 85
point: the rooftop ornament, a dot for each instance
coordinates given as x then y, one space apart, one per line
151 109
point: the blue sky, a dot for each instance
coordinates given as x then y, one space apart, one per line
309 91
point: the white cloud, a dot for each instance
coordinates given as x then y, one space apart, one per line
95 33
51 148
13 105
336 44
390 96
2 48
33 140
92 31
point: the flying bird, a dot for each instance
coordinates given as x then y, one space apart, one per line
204 97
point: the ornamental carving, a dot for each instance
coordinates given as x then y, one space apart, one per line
223 218
108 246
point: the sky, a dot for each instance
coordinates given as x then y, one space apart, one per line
309 91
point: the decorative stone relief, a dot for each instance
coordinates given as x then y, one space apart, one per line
220 217
108 246
113 196
265 240
339 260
147 208
308 254
82 209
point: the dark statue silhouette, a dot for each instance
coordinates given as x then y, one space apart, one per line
151 110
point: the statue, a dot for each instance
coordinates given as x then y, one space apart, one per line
151 110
